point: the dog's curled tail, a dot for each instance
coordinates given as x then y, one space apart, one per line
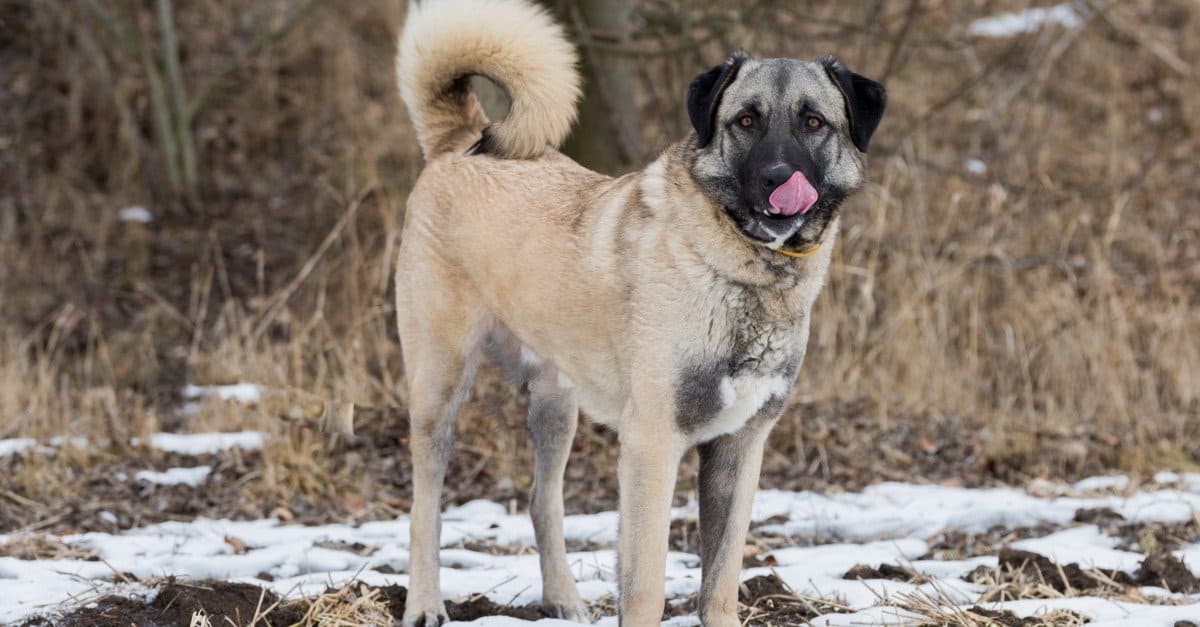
512 42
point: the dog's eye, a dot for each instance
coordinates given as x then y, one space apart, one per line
746 120
813 122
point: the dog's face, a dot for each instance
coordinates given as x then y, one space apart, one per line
780 143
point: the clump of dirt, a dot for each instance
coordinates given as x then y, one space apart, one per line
222 603
396 598
479 606
1165 570
769 601
1041 568
1007 619
1002 617
885 571
1102 516
1023 574
956 545
1155 539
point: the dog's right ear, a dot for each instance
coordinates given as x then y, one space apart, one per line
704 96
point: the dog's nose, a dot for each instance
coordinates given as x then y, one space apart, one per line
774 175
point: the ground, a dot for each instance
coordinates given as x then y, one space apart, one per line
1107 550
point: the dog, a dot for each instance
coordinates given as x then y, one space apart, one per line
672 304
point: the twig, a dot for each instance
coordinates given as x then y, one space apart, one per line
1155 47
158 103
112 26
276 303
183 134
910 18
232 64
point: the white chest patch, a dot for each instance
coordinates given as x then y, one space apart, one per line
741 399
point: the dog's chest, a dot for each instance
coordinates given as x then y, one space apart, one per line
746 369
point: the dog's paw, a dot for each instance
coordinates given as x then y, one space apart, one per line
576 611
724 620
426 618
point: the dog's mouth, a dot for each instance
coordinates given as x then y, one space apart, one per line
778 217
793 197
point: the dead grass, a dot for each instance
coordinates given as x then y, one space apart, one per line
1039 318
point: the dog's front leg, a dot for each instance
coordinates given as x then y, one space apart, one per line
729 469
650 449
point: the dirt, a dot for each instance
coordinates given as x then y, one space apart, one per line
954 544
224 603
885 571
1165 570
768 602
1061 577
1003 617
480 606
236 605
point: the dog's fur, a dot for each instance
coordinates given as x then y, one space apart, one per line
661 302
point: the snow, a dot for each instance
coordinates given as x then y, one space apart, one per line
175 476
890 523
1027 21
975 166
238 392
201 443
13 446
1099 484
1166 477
135 214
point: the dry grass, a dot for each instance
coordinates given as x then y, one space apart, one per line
1042 316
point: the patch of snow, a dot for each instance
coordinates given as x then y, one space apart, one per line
975 166
201 443
76 441
239 392
13 446
1027 21
1166 477
175 476
1116 483
135 213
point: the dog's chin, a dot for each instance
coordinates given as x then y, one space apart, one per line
777 231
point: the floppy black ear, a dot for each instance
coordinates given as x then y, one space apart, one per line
865 100
704 96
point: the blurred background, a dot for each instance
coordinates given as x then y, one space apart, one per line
210 192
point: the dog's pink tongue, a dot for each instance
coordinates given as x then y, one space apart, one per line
796 195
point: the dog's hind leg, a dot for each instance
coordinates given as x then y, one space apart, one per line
553 418
729 469
440 338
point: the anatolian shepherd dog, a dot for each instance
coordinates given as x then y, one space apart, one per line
671 304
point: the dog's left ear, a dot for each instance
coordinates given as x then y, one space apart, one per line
865 100
704 96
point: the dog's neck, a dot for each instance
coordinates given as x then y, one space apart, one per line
668 186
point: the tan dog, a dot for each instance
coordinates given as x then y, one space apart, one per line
671 304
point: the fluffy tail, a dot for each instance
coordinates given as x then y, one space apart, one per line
512 42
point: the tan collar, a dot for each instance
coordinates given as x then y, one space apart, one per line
800 254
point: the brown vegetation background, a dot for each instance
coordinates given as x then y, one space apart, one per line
1039 318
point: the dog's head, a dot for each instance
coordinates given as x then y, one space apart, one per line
779 143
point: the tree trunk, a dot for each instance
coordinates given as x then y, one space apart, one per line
607 137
